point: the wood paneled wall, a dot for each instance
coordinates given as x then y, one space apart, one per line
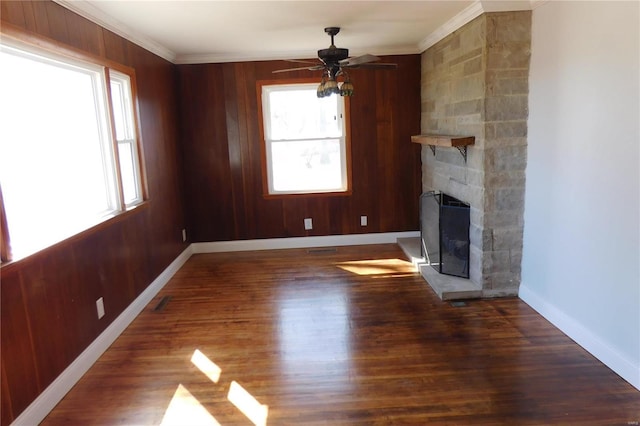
222 158
48 311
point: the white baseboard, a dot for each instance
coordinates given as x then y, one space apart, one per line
301 242
617 362
49 398
53 394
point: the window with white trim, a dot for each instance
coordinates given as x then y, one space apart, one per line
62 168
306 146
122 102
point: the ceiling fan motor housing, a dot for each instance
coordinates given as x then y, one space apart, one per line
333 55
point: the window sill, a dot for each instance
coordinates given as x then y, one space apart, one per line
308 195
99 226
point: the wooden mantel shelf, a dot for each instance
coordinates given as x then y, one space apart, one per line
443 140
460 142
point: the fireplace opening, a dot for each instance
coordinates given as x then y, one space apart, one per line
444 229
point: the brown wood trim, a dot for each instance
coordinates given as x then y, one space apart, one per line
347 143
263 153
308 195
20 36
443 140
263 148
136 123
114 138
95 229
5 238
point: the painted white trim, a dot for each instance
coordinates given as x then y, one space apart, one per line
467 15
49 398
53 394
537 3
96 15
617 362
301 242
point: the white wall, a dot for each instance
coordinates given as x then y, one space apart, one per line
581 255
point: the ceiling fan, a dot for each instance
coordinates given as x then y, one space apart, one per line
334 61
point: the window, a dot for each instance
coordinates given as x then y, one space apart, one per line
122 102
306 145
62 168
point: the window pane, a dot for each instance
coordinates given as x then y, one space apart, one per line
128 172
125 135
307 166
52 159
300 114
117 99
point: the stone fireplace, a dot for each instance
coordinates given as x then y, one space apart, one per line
475 83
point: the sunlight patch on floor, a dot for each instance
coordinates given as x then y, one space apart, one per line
393 267
185 409
208 367
246 403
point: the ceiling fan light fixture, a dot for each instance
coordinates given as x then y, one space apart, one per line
346 88
334 61
320 91
330 87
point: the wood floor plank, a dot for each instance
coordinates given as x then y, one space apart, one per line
347 337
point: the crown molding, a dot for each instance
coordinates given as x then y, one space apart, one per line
477 8
467 15
537 3
474 10
92 13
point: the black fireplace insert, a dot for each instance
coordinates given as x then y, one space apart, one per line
444 229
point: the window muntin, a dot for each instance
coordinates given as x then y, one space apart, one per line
122 103
58 169
305 140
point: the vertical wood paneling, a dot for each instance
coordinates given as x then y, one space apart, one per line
209 159
13 12
19 373
115 47
386 167
57 24
85 35
48 311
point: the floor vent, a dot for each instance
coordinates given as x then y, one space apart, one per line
161 304
458 304
321 250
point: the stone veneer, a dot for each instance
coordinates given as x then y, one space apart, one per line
475 83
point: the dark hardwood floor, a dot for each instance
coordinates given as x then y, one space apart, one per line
354 336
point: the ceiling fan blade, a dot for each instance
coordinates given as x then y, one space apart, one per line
314 68
301 61
357 60
383 66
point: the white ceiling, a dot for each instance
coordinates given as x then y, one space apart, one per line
223 31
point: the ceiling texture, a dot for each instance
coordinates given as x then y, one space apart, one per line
186 32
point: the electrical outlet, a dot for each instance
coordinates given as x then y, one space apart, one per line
100 307
363 221
308 223
184 235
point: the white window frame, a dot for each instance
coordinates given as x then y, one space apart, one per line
130 137
101 77
342 118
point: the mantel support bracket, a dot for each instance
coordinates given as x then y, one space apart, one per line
463 152
462 149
